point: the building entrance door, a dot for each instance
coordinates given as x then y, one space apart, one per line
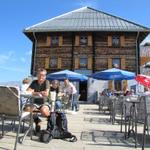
83 91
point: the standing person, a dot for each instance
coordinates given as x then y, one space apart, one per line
71 90
40 88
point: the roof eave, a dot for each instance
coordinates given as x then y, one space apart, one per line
83 30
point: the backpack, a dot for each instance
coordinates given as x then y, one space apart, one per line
57 129
57 120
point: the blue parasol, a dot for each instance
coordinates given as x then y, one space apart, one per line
113 74
61 75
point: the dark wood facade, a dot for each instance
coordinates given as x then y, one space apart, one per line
98 50
63 50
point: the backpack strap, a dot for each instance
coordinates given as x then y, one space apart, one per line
73 139
51 123
69 137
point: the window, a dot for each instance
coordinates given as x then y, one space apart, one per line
117 85
53 63
83 40
83 63
55 40
41 41
116 62
115 41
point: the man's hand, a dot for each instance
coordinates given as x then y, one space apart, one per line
37 94
44 93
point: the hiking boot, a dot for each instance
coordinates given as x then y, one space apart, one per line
37 129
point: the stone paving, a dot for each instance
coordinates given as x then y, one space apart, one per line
93 130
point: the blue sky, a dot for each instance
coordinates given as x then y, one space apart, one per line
15 15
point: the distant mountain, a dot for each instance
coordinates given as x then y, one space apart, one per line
12 83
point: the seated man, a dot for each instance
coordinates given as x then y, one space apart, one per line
40 88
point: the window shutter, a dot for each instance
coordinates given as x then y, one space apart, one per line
124 84
59 63
109 40
89 40
77 40
122 39
76 66
109 63
48 41
123 63
89 66
60 40
47 60
110 83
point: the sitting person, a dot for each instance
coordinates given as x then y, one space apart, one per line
126 92
23 89
54 87
25 85
146 91
40 88
132 92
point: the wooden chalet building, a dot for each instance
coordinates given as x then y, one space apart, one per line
145 58
144 53
86 40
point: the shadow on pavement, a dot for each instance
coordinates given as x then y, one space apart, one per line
110 138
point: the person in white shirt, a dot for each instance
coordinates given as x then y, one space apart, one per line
25 85
23 89
71 90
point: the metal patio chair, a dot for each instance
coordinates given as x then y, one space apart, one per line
146 120
104 103
137 117
11 109
134 115
125 116
67 101
116 107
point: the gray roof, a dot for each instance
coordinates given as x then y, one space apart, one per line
86 19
